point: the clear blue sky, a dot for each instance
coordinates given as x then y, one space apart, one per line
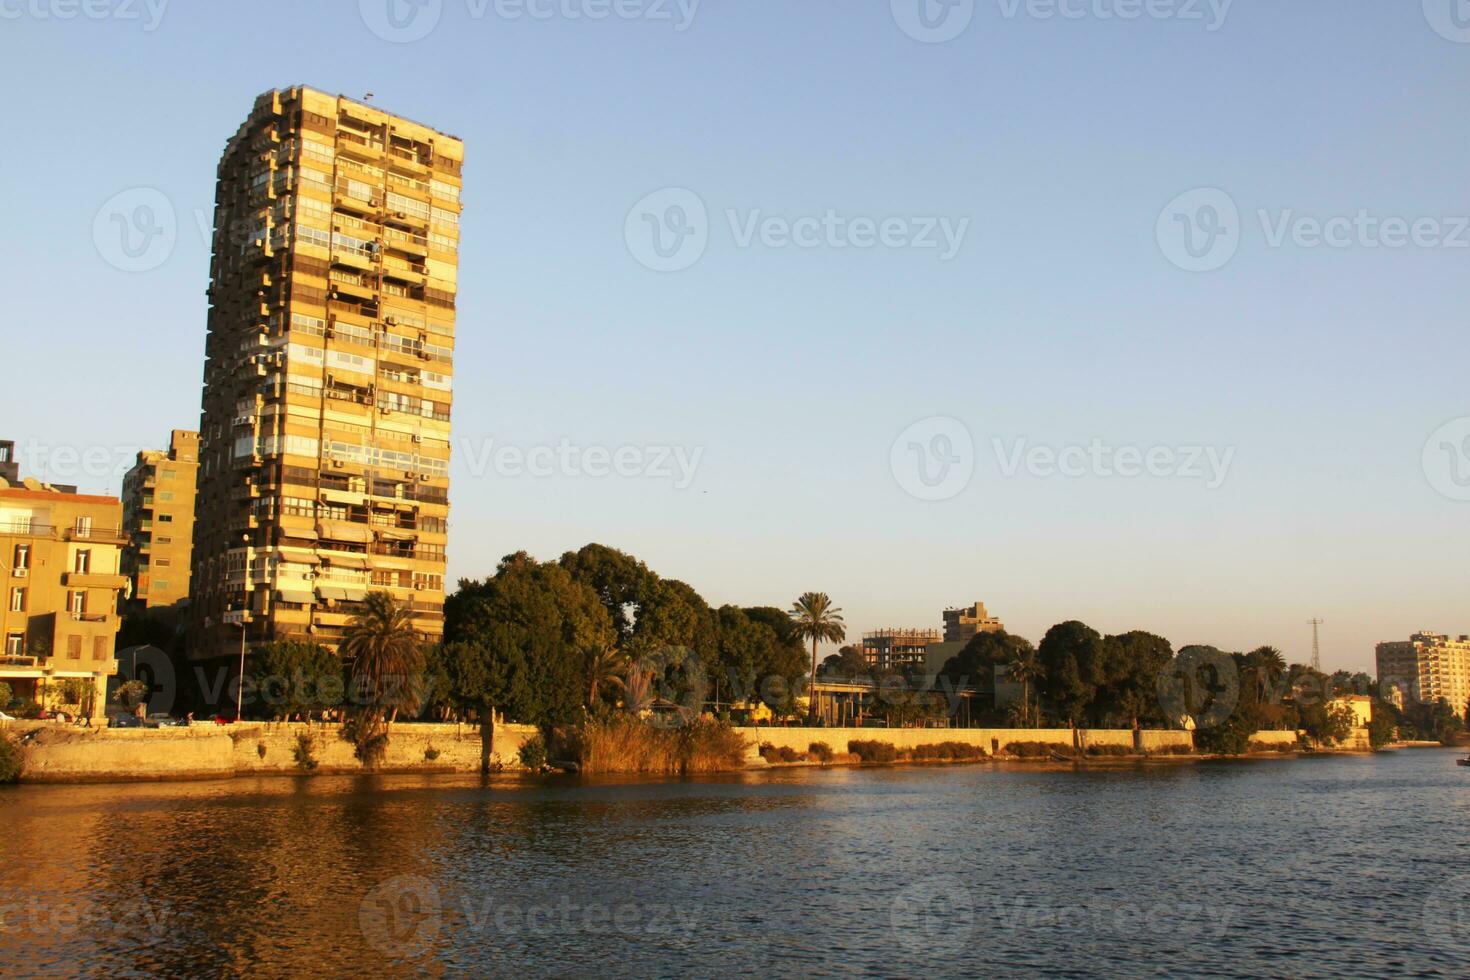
1059 321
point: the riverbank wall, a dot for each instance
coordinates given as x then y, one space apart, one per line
66 753
992 741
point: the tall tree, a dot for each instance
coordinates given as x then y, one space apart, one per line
1134 661
386 654
815 618
1071 656
1024 666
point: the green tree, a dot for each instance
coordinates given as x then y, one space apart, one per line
1383 729
1071 656
816 619
297 678
386 654
607 665
523 641
847 663
1129 689
1024 667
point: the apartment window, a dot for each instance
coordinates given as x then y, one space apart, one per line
84 527
15 644
17 600
82 563
99 648
76 602
74 648
162 563
165 518
22 557
163 540
165 496
170 474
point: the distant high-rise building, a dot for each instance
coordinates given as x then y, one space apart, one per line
1426 667
895 649
324 434
158 516
961 625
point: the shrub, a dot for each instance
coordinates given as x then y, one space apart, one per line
819 752
1174 750
12 759
1272 747
872 751
619 742
533 753
1109 750
946 752
369 741
305 751
430 753
1032 750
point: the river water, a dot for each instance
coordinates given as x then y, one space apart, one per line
1320 867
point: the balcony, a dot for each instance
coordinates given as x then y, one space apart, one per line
93 580
97 535
26 529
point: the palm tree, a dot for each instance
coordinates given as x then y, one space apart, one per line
386 652
814 618
1025 668
605 668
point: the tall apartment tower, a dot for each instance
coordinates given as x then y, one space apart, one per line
324 435
158 517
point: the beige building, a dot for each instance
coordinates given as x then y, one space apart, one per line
158 516
59 556
324 434
961 625
1426 667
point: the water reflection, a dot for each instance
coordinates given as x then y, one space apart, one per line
1309 868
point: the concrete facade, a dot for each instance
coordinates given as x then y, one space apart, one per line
324 428
59 562
158 516
1426 667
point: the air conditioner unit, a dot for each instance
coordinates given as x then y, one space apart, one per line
416 437
337 464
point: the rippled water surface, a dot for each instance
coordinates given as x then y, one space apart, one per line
1343 866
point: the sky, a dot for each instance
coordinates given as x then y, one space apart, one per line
1149 315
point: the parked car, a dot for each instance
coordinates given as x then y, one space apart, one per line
124 721
161 720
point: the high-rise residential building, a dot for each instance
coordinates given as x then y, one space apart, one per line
158 516
961 625
59 555
1426 667
324 435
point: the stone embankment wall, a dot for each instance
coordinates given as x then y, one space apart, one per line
65 753
988 739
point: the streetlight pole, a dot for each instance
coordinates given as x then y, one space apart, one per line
244 625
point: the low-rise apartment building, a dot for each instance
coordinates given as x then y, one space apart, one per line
961 625
896 649
59 562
